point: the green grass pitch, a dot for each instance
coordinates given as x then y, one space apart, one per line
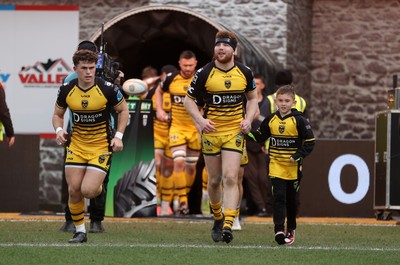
188 241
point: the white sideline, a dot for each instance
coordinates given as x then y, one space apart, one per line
213 246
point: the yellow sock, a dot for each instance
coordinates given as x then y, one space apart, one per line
77 212
167 186
175 196
180 186
158 185
230 215
204 178
217 210
189 181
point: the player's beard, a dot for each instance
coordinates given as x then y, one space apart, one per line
187 74
226 58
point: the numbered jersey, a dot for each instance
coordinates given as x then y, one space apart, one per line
178 86
90 112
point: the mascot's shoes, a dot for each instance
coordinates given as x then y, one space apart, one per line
68 226
79 237
280 238
227 235
96 227
289 239
216 231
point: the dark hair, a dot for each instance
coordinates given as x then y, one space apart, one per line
259 76
168 69
149 71
286 89
117 65
187 55
84 56
283 77
227 37
87 45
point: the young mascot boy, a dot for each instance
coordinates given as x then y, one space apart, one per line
291 140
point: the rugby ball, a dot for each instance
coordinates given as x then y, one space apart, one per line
134 87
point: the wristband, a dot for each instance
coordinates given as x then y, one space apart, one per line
118 135
58 129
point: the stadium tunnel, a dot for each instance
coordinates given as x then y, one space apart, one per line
156 35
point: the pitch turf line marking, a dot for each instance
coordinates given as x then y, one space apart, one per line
56 245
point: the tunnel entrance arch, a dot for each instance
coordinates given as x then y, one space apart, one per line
156 35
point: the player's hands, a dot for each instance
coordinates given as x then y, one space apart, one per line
116 144
206 126
11 141
162 115
298 160
120 78
264 150
245 126
61 137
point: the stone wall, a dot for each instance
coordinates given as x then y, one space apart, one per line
298 53
355 52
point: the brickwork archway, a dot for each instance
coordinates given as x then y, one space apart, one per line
156 35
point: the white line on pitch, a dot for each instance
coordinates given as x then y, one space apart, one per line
44 245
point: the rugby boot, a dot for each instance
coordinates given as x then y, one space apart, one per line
227 235
79 237
68 227
216 231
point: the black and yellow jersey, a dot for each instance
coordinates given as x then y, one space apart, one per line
177 86
223 94
90 112
290 136
160 126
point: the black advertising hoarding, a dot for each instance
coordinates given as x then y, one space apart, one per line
338 180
